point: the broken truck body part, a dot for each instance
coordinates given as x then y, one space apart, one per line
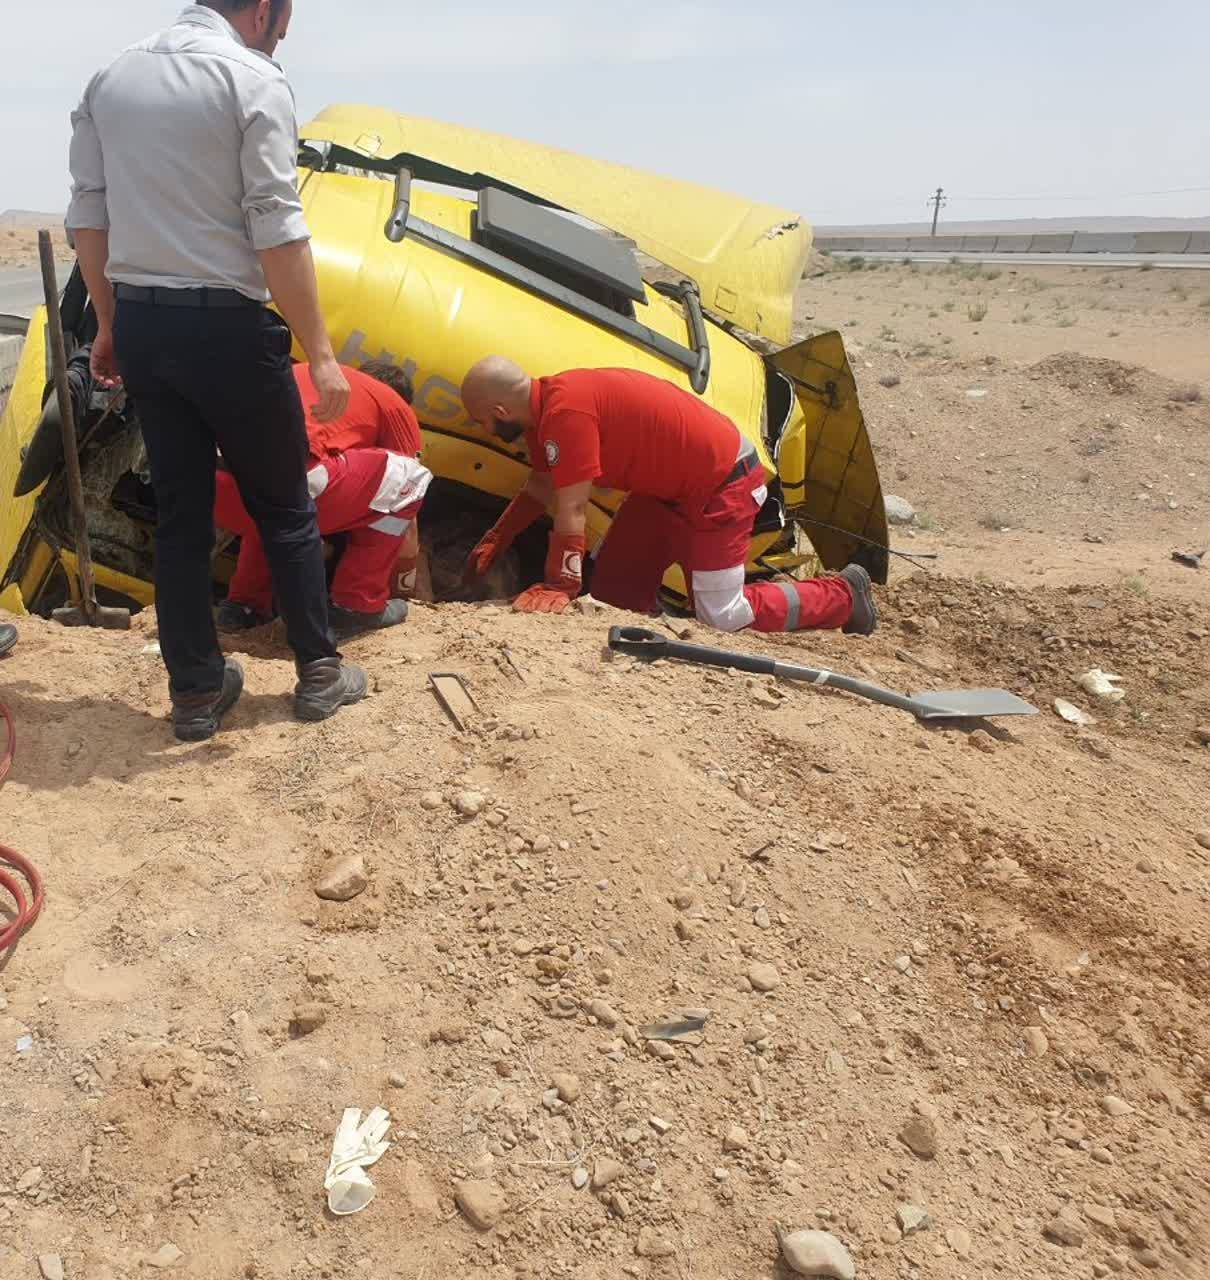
941 704
436 245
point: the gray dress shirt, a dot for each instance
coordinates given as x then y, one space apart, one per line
185 148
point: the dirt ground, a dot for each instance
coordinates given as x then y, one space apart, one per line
987 951
19 246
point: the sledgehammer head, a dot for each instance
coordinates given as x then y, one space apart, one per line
108 617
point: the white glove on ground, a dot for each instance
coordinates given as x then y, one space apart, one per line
356 1146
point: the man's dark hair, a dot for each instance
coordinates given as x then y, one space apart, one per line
229 7
392 376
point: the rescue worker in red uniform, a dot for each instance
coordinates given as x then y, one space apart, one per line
695 486
368 484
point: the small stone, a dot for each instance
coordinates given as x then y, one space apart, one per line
567 1086
735 1139
469 804
604 1013
764 977
1202 734
654 1244
1066 1229
902 963
1149 1258
397 1080
816 1253
912 1218
579 1178
1036 1043
481 1203
342 880
1102 1155
898 510
1203 838
29 1179
431 800
165 1257
1101 1215
660 1126
51 1266
959 1239
1115 1106
983 741
308 1017
605 1171
523 946
760 918
919 1135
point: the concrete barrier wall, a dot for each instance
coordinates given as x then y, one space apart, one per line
10 356
1161 242
1074 242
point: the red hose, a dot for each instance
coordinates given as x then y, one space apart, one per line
27 906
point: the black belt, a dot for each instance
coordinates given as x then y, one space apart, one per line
223 299
744 467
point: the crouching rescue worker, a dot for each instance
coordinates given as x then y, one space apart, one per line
695 486
368 484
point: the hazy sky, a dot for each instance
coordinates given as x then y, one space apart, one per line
846 113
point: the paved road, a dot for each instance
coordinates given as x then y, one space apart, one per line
21 290
1189 261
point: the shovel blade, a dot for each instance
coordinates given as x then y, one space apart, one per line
970 704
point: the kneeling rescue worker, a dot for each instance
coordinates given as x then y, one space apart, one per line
367 484
695 486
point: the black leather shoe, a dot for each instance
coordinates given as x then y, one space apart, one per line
326 685
232 617
197 716
347 623
864 619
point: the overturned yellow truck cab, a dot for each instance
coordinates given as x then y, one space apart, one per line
436 245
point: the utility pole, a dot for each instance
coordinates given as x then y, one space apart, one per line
937 201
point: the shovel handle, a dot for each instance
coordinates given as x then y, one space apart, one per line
642 643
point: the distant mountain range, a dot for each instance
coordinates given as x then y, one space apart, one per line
12 219
1015 226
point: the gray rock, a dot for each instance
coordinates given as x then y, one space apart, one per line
816 1253
899 510
579 1178
912 1218
469 803
340 881
735 1139
764 977
51 1266
1066 1229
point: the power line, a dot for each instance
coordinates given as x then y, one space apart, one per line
1119 195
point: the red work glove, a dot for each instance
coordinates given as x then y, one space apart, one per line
517 517
564 566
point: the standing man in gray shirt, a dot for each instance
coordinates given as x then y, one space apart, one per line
186 219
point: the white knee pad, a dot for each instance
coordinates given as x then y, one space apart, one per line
719 600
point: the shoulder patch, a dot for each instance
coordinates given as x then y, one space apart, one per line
552 453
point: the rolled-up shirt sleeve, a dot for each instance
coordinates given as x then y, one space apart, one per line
269 163
89 209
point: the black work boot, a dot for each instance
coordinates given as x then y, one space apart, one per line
232 617
197 716
864 619
326 685
347 623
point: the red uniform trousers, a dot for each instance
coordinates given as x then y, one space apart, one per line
709 538
364 575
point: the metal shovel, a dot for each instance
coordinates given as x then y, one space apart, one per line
88 613
948 704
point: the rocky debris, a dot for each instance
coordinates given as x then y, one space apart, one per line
604 1013
959 1239
1036 1043
763 977
816 1253
1065 1229
165 1257
342 880
1101 1215
1203 838
919 1135
308 1016
912 1218
579 1178
606 1171
481 1203
431 800
566 1085
469 803
397 1080
1202 734
1115 1107
51 1266
899 510
158 1068
653 1243
983 741
735 1139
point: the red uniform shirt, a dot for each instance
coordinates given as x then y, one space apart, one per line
630 431
377 417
